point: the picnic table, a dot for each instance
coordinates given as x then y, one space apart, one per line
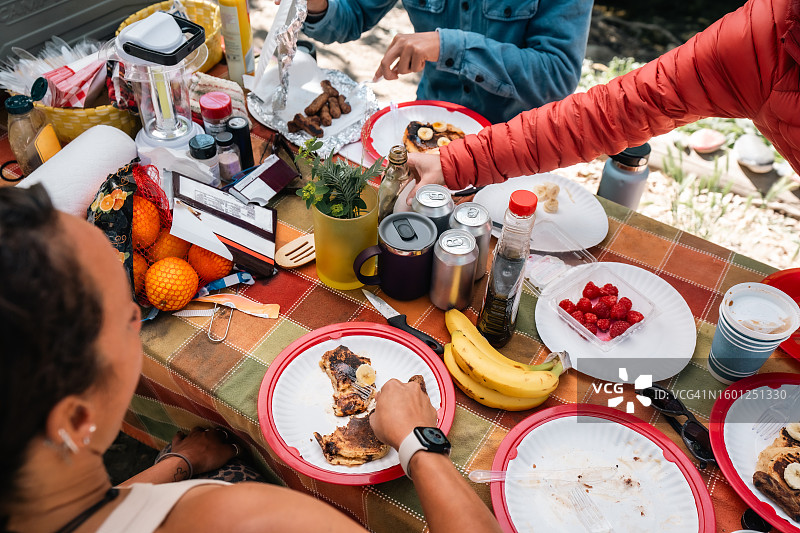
187 380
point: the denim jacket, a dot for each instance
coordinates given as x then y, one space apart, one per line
498 57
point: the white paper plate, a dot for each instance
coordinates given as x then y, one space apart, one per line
662 347
579 214
744 444
658 497
302 401
385 129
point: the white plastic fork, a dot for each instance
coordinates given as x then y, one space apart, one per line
776 416
588 512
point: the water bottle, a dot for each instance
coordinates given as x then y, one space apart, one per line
498 317
625 176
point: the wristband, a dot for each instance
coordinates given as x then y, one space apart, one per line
406 451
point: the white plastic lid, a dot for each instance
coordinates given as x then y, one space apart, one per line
544 267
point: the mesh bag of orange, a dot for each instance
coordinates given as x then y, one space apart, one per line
167 271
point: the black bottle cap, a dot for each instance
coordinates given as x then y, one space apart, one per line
635 156
202 147
224 138
240 129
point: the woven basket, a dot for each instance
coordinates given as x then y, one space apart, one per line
201 12
71 122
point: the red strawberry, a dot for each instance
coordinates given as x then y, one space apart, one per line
626 302
590 318
601 309
567 306
618 328
577 315
611 290
591 291
603 324
592 328
609 300
618 312
635 316
584 305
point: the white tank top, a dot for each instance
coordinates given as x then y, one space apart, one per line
147 505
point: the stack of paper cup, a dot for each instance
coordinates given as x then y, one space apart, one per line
753 320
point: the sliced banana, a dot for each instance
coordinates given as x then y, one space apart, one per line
792 476
439 126
550 205
365 375
425 134
793 430
442 141
552 190
540 190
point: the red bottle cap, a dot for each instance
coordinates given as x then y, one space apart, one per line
215 105
523 203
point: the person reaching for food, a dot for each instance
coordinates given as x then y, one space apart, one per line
69 366
745 65
497 58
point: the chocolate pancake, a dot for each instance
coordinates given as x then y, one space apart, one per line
769 475
414 143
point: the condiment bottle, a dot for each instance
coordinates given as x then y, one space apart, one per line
395 175
30 133
238 35
240 130
228 153
202 148
498 316
625 176
216 109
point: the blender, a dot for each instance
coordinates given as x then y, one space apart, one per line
159 54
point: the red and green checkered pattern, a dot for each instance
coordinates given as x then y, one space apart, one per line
189 381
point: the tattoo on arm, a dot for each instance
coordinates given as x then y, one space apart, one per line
180 474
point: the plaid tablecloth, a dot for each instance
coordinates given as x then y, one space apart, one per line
188 380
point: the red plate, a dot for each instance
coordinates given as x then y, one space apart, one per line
508 451
723 404
366 132
289 454
789 282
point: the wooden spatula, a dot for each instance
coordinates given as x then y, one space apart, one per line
297 252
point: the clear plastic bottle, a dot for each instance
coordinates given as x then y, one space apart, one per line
498 316
230 162
30 133
395 175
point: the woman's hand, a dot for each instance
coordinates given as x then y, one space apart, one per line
206 449
399 408
411 51
426 169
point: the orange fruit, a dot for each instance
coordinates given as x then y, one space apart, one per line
107 203
208 265
146 223
139 270
168 245
170 284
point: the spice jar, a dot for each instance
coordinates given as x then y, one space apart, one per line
228 153
30 133
216 109
203 149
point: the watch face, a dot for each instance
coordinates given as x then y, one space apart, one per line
433 439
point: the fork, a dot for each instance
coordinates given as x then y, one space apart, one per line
774 418
588 512
363 391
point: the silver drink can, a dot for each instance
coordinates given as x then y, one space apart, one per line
475 219
434 202
455 257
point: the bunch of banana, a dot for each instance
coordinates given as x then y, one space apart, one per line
490 378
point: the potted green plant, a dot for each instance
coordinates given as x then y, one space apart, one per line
345 213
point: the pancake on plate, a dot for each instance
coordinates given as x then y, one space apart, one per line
429 137
777 472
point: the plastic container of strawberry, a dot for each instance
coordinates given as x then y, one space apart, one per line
572 288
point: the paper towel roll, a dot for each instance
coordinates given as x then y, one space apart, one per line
74 174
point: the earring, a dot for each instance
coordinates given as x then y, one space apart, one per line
68 442
88 438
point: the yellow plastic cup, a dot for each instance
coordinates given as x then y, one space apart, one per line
338 241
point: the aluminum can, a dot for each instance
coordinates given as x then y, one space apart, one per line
475 219
455 257
434 202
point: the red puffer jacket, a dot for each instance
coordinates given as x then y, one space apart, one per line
744 65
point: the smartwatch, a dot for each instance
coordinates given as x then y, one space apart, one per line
428 439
